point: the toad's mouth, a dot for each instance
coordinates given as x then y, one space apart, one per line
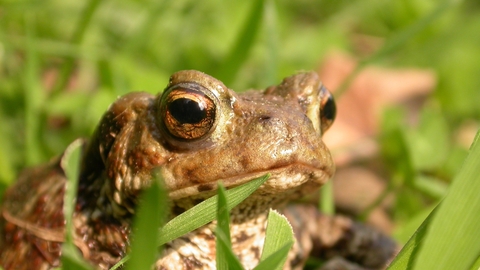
281 179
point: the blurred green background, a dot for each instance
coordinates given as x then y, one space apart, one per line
62 62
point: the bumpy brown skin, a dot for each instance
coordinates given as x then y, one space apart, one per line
277 131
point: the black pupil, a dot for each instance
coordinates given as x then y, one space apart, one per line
329 111
187 111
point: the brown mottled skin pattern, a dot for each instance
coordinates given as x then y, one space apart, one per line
196 133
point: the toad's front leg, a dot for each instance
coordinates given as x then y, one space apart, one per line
338 240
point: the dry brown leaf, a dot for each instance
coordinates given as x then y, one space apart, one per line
360 106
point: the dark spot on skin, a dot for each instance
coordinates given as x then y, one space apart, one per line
204 187
177 210
197 201
255 251
242 237
207 236
245 161
264 117
189 174
297 261
192 263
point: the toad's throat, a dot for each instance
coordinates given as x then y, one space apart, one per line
281 179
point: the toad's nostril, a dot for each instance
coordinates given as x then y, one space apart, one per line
265 117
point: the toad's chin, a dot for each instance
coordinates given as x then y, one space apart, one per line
299 178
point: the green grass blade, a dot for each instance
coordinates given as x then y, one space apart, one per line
452 237
476 265
440 242
222 231
226 259
120 263
272 42
326 203
242 46
431 186
33 93
205 211
276 260
7 172
406 257
406 231
71 163
150 215
71 258
223 216
278 236
201 214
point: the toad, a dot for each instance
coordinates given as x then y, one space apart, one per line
196 133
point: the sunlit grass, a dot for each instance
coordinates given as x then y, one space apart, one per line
447 239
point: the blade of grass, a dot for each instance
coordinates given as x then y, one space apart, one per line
326 203
476 265
243 44
404 232
446 246
431 186
70 163
440 242
278 236
223 216
276 260
7 171
205 211
120 263
202 214
222 231
271 32
406 257
32 94
225 257
71 258
150 216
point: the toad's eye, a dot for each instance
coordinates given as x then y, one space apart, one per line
328 109
187 111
